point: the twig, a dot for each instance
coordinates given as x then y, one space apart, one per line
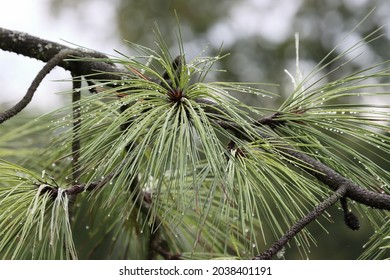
53 62
302 223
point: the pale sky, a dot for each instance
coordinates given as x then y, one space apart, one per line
32 17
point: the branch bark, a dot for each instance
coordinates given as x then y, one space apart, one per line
53 62
334 179
44 50
301 224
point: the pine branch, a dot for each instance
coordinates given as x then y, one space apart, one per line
302 223
54 54
334 179
53 62
322 172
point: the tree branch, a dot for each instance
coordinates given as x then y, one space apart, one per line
53 62
302 223
44 50
333 179
319 170
22 43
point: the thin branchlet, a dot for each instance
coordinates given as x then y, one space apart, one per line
53 62
302 223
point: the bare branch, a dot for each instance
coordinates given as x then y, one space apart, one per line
302 223
44 50
53 62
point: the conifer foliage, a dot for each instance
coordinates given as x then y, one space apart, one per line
152 159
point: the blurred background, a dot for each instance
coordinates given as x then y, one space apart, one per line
258 34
